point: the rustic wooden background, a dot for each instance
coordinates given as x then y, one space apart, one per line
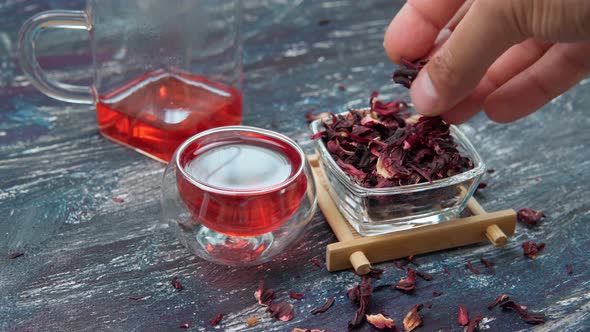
86 254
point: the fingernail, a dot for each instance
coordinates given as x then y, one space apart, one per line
424 94
443 35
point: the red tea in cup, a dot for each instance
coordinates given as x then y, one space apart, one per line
241 181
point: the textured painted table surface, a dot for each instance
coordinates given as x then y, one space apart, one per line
86 254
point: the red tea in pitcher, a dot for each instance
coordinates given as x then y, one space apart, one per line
158 111
241 183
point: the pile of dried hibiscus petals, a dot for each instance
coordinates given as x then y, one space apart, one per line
382 147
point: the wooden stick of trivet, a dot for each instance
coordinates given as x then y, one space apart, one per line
357 259
360 252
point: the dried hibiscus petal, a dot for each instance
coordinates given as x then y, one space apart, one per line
500 299
15 254
408 71
532 249
529 217
413 318
215 321
529 317
137 298
472 268
184 326
474 323
324 307
316 262
117 200
381 322
282 311
569 268
398 265
264 296
361 295
306 330
408 283
424 275
436 294
296 296
446 270
462 316
176 284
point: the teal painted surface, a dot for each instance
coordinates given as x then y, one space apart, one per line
86 254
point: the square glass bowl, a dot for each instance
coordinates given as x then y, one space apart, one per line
374 211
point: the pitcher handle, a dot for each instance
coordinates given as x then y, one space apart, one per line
66 19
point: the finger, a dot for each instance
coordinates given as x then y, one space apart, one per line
562 66
486 31
454 21
413 30
513 61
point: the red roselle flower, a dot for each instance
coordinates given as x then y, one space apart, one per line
529 217
462 316
264 296
408 71
324 307
176 284
408 283
413 318
282 311
296 296
215 321
361 295
381 322
532 249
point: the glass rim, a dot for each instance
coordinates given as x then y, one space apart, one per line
478 167
240 129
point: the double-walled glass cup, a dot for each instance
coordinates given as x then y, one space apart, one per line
162 70
238 195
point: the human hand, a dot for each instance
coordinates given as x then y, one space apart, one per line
509 57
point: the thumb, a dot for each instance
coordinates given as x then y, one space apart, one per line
488 29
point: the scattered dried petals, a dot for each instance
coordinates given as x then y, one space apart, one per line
184 326
215 321
296 296
529 217
482 185
437 294
361 295
251 321
264 296
471 268
16 254
323 22
424 275
375 273
408 71
462 316
491 170
176 284
487 263
528 317
413 318
137 298
380 147
117 200
282 311
408 283
316 262
500 299
410 259
474 323
446 270
306 330
381 322
532 249
324 307
341 87
569 268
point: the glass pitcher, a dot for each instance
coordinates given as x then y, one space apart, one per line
163 70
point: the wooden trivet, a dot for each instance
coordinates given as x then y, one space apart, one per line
358 252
